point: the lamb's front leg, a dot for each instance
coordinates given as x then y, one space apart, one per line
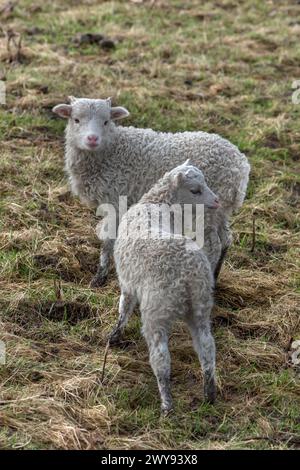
100 277
225 236
212 247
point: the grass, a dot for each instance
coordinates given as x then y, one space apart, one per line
225 66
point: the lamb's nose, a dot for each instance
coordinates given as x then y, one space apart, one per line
217 202
92 138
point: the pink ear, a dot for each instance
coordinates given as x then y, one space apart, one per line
63 110
118 113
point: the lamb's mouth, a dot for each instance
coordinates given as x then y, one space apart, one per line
213 206
92 147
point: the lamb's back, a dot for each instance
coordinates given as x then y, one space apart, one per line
161 260
151 154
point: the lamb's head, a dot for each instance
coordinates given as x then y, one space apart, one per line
90 122
190 186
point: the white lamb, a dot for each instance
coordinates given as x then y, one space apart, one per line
168 276
105 161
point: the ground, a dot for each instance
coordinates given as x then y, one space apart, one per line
223 66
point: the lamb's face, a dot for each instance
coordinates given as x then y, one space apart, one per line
191 188
90 122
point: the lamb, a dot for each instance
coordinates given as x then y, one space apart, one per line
168 276
104 161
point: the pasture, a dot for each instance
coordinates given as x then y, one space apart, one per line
223 66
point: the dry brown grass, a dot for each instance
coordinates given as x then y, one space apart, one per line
226 67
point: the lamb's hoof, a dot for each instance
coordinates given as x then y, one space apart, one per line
114 338
98 281
210 392
166 411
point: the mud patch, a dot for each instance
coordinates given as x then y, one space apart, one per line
51 262
75 268
88 261
71 312
242 329
27 314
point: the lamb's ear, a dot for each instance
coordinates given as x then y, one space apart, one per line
178 179
63 110
189 173
188 162
108 101
118 113
72 99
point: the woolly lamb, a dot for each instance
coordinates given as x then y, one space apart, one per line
104 161
168 276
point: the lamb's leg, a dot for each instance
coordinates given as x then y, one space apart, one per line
157 340
204 345
127 304
220 263
100 277
212 246
225 236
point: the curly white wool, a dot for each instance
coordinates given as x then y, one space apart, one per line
168 276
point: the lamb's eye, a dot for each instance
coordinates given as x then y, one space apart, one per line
196 191
76 120
105 123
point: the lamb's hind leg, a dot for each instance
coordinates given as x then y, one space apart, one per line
203 341
100 277
159 356
127 304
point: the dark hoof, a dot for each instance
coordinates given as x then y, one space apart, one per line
114 338
210 392
114 341
98 281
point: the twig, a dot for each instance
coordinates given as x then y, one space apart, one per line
275 439
58 289
104 360
253 233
